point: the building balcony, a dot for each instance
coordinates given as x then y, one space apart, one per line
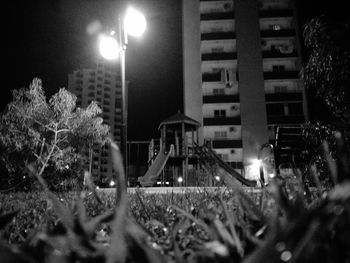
220 98
278 33
285 119
278 54
219 56
218 121
226 143
217 16
284 97
276 13
293 74
218 35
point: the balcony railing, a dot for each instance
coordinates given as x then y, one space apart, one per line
217 16
218 35
213 121
278 33
220 98
227 143
276 13
281 75
284 97
278 54
219 56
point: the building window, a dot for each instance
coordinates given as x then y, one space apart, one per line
220 134
217 50
218 91
276 27
278 68
219 113
227 6
223 157
216 70
280 89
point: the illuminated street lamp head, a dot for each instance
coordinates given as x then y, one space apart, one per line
109 47
134 22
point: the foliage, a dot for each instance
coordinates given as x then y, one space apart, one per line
49 135
328 67
327 74
283 225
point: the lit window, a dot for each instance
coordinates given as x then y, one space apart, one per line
276 27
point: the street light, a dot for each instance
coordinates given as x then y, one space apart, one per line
133 23
267 162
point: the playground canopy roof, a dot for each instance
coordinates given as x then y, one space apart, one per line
179 118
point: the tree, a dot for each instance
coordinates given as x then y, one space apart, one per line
328 69
51 135
327 75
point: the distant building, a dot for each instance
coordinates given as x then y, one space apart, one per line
241 60
103 85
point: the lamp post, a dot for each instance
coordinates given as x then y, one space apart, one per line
133 23
267 162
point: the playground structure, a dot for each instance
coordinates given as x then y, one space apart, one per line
177 159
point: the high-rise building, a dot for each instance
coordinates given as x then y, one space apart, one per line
241 60
103 85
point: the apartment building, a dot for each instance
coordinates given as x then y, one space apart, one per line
101 84
241 60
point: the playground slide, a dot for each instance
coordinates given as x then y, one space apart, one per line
225 168
155 169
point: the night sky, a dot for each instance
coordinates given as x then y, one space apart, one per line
48 39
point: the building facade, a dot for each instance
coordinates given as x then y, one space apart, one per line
102 85
241 62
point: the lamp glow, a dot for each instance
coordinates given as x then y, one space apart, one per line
109 47
134 22
256 164
112 183
180 179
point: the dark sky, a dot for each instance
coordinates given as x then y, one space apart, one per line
48 39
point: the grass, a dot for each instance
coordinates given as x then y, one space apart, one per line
283 224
